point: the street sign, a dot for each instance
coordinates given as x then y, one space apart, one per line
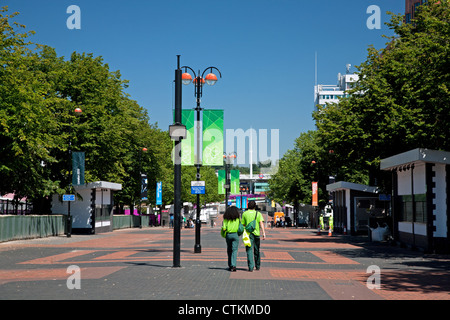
198 187
68 197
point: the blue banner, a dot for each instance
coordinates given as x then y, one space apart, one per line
159 193
244 202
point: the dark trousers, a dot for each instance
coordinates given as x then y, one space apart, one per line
232 240
254 253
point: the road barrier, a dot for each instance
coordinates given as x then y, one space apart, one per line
31 226
14 227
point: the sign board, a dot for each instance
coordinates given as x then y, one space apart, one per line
198 187
68 197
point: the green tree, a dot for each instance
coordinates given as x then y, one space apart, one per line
400 102
298 168
39 92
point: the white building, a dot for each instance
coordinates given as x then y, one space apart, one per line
324 94
420 198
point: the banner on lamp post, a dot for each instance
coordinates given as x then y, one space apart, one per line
315 195
187 145
78 159
234 182
221 181
159 193
212 154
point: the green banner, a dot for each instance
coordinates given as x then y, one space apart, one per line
187 145
212 154
221 181
234 182
78 168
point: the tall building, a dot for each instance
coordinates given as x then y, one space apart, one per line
411 7
324 94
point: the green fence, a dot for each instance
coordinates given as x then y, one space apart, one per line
28 227
129 221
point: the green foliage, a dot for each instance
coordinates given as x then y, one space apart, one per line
39 92
400 102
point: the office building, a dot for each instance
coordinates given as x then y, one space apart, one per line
324 94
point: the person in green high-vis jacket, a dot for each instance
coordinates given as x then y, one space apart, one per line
230 228
254 252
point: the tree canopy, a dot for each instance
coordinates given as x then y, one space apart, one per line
39 92
400 102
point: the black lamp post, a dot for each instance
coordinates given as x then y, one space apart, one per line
228 160
211 80
177 132
142 187
78 112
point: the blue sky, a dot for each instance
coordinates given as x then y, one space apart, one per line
265 50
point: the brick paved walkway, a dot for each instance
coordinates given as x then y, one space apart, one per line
297 264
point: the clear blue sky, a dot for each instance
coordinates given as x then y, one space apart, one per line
264 48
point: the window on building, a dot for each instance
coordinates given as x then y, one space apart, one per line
408 18
420 205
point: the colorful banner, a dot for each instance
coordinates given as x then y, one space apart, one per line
187 145
212 138
238 202
315 195
234 182
221 181
244 202
159 193
144 187
78 159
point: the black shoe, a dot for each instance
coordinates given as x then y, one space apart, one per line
233 269
257 269
250 270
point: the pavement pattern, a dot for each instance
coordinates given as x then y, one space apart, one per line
296 264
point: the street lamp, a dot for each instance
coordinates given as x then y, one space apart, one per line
199 81
228 158
177 133
77 112
143 185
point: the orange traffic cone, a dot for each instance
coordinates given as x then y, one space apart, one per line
318 231
329 232
345 230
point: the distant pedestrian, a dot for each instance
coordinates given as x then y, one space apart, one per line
254 258
230 232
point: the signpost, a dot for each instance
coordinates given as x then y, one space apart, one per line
198 187
69 198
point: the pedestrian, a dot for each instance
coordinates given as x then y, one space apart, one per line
230 232
254 258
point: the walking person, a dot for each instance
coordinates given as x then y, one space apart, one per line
230 233
254 252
